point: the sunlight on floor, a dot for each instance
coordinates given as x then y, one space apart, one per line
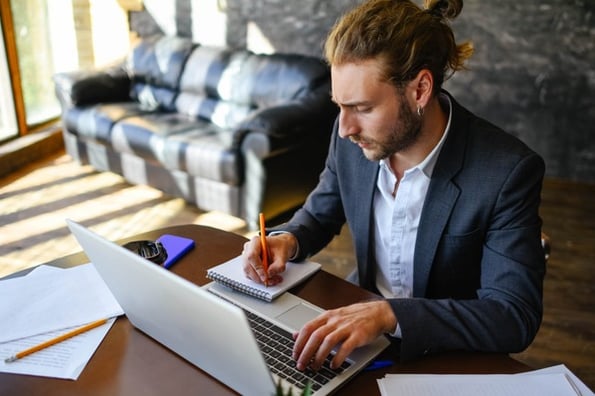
36 202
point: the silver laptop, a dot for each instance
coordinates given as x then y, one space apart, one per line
213 327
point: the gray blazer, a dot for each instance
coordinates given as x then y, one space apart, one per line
479 264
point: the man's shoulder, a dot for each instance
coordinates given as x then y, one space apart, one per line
479 149
482 135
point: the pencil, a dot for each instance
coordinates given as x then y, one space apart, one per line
265 251
56 340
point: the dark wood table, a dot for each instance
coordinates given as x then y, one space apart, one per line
128 362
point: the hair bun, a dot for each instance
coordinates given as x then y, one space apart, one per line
448 9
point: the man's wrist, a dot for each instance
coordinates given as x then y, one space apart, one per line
293 243
392 325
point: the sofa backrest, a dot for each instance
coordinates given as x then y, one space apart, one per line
211 86
218 84
155 66
224 86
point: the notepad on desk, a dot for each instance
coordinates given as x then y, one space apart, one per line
231 274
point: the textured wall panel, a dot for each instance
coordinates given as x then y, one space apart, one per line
533 72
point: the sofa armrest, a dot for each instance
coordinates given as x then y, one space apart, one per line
293 123
88 87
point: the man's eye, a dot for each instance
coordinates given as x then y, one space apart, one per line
363 109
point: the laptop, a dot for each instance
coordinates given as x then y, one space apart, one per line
214 328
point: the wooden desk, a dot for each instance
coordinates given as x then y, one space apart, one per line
129 362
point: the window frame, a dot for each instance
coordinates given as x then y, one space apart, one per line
12 60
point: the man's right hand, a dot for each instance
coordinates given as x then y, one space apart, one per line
281 247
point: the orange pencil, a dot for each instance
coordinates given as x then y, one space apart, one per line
265 250
56 340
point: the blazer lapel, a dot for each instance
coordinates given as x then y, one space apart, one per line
440 200
367 172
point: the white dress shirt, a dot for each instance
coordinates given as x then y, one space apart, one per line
396 219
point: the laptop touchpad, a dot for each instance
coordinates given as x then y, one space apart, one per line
297 316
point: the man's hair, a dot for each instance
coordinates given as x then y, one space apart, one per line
403 36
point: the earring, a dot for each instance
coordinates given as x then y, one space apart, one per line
420 111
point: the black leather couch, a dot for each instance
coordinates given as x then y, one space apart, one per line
230 131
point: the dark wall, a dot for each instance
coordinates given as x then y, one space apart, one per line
290 26
533 72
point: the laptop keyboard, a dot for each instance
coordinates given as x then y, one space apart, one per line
276 346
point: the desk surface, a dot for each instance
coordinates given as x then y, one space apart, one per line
129 362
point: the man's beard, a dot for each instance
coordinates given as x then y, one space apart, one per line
403 135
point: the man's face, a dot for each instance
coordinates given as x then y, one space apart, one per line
373 113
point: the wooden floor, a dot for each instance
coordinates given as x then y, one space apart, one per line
35 201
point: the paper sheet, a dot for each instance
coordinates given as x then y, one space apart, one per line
66 359
47 300
579 386
554 381
47 303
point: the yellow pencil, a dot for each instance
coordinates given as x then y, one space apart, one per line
56 340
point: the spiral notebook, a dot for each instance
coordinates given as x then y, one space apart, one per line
231 274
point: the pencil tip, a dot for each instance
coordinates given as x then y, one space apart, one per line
10 359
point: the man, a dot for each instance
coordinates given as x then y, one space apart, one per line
442 205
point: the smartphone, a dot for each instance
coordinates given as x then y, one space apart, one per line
175 246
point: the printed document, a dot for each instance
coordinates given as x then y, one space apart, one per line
66 359
45 304
49 299
552 381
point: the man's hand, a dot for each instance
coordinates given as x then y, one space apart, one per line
351 326
280 246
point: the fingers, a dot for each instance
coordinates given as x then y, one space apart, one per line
344 329
307 344
253 267
252 261
316 340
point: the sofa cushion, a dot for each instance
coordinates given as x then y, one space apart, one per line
96 122
155 66
282 78
179 142
210 87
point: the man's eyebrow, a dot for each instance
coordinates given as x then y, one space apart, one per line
351 104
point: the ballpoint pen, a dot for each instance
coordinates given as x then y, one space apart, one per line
55 340
378 364
264 249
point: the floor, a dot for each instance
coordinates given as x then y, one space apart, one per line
35 200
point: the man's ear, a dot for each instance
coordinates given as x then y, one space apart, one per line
423 85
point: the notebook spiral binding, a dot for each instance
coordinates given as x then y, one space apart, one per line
235 285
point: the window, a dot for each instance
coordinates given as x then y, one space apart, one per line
39 39
38 44
44 37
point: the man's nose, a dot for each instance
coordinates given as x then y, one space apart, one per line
347 125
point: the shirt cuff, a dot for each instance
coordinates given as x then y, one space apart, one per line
397 333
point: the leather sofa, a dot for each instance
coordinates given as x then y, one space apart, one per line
227 130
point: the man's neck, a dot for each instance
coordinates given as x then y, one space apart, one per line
433 127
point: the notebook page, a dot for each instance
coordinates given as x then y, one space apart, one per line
231 274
